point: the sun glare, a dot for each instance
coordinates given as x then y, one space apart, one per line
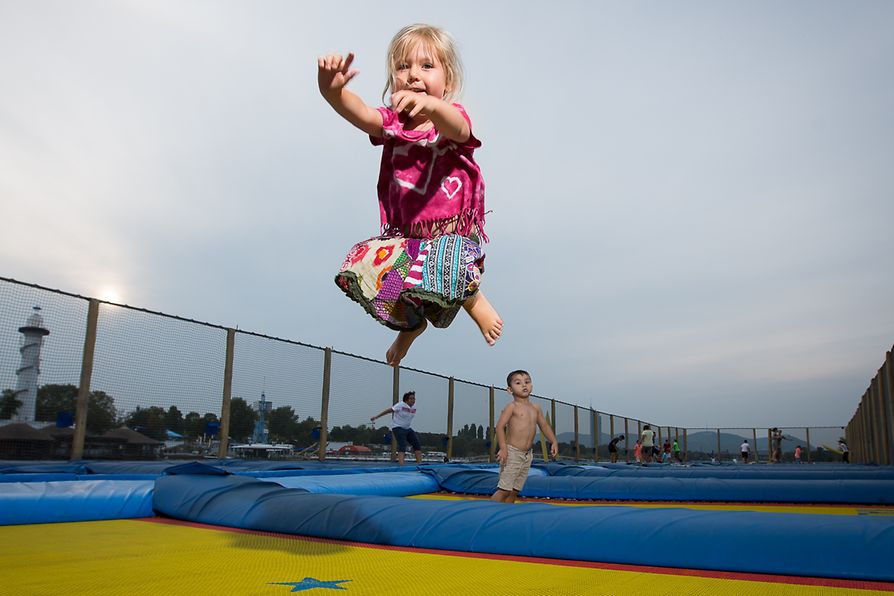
110 295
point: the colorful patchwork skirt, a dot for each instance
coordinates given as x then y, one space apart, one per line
402 281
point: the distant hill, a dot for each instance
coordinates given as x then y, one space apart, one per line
704 441
585 439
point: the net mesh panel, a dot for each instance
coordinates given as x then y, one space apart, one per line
702 443
41 396
627 426
764 440
430 422
358 390
471 420
564 427
161 374
588 430
291 378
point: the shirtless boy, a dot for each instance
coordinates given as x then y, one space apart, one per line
515 454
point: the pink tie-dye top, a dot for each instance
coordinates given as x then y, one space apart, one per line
428 184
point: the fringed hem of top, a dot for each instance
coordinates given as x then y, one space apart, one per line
468 224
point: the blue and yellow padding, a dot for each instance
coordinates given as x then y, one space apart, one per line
622 488
395 484
849 547
791 472
46 502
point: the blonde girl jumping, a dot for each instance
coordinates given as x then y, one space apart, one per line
427 261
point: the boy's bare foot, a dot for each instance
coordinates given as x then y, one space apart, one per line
402 344
484 315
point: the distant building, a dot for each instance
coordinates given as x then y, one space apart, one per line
33 333
263 408
21 441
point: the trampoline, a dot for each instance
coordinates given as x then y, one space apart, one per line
237 528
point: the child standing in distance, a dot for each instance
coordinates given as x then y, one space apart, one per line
515 454
428 261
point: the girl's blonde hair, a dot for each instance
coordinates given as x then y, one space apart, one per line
432 38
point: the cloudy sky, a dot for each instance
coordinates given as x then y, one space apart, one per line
691 201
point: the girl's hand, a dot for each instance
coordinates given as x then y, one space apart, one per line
334 72
413 103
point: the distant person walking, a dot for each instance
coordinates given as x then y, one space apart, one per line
798 454
745 451
677 453
613 448
842 446
401 417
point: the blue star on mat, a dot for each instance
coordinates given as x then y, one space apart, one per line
309 583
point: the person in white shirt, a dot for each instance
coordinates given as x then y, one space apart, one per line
648 438
745 450
401 417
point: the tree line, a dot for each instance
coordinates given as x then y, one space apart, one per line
284 425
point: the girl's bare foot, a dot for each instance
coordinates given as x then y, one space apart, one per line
484 315
402 344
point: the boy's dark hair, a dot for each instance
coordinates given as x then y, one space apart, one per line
408 394
514 373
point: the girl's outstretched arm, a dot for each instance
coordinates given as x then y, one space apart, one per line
446 118
333 74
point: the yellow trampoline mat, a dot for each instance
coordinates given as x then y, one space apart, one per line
771 508
135 557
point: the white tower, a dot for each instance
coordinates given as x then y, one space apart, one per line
26 383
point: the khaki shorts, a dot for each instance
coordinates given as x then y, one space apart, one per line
515 471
